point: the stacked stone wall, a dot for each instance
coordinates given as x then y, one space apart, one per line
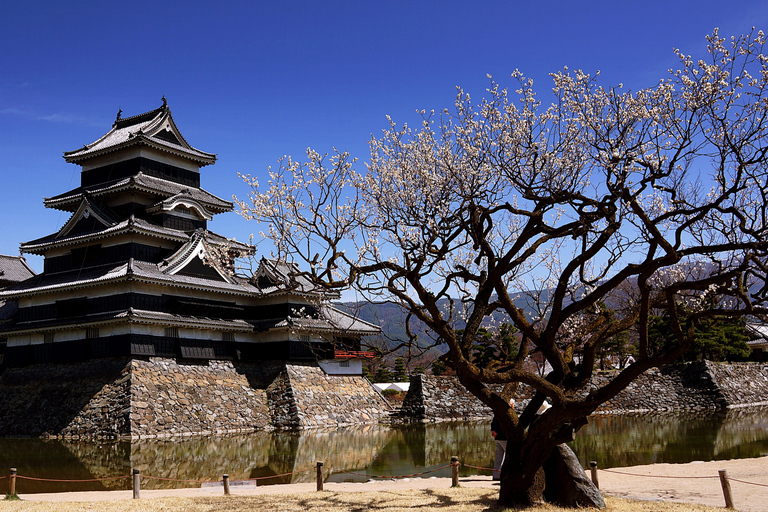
169 398
88 399
701 385
741 384
157 397
303 396
680 387
432 398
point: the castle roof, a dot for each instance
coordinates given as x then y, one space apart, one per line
14 269
68 201
131 225
155 129
330 320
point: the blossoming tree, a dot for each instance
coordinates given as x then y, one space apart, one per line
611 205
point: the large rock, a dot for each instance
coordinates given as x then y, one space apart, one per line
567 484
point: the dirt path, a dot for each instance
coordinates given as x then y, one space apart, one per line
695 482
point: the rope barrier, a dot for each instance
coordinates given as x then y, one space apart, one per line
392 477
283 474
176 479
748 483
477 467
60 480
380 477
654 476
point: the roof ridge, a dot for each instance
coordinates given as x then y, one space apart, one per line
121 122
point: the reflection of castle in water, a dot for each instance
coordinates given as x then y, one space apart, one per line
373 450
254 455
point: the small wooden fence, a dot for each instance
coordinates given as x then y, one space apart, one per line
454 464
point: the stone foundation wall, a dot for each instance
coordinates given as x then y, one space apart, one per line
169 398
304 396
89 399
741 385
157 397
432 398
696 386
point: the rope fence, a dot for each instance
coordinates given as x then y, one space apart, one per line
454 465
656 476
69 480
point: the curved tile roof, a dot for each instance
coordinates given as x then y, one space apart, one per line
142 182
130 225
155 128
14 269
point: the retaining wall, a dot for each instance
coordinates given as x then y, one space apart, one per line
304 396
157 397
695 386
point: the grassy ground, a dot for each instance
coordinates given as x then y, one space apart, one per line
448 500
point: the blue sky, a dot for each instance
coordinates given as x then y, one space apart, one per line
253 81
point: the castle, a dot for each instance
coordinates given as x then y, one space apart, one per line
127 283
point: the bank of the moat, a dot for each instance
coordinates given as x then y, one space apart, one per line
701 385
156 397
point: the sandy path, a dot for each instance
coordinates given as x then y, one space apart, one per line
695 482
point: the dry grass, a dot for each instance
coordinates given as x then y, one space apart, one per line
448 500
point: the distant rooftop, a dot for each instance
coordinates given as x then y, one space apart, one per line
13 269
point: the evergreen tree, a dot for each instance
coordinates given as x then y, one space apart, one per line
401 373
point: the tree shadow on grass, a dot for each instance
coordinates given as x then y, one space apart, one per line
428 499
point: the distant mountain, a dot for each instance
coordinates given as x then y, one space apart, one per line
391 318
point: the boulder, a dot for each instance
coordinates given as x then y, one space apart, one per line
567 484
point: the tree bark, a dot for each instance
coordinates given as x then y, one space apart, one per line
556 477
522 482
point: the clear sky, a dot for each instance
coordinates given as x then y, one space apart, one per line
255 80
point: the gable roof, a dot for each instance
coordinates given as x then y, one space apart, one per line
14 269
155 129
273 275
192 255
760 333
86 210
131 225
161 273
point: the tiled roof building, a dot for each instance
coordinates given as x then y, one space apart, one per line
13 269
127 276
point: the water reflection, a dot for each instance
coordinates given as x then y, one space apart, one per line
380 450
630 440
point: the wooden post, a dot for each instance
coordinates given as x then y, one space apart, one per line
12 483
136 484
593 470
319 475
454 471
726 488
225 478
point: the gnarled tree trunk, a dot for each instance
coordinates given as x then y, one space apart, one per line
553 475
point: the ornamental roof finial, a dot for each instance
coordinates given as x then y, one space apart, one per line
119 113
165 102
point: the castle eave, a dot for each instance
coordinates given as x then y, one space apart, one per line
138 227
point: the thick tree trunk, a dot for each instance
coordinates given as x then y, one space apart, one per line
560 480
522 482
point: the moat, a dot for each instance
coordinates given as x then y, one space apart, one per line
614 441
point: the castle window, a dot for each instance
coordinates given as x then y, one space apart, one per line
344 364
171 332
48 337
227 336
304 338
91 333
